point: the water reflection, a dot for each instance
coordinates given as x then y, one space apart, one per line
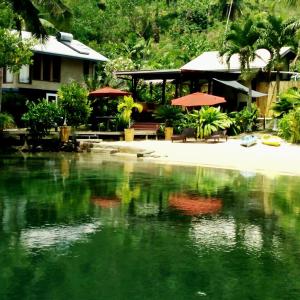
221 233
58 236
105 202
171 231
193 205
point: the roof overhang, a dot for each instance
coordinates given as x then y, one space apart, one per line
151 74
236 85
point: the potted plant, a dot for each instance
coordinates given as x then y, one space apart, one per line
170 115
125 107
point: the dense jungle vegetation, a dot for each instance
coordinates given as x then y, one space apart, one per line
145 34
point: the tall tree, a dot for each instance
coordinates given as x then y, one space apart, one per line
242 39
14 53
277 33
32 13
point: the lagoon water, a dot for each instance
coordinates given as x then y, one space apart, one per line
92 227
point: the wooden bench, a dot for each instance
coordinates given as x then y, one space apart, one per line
146 129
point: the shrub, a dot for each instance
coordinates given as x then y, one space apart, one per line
288 101
74 102
15 105
169 114
41 117
208 120
244 120
6 121
289 126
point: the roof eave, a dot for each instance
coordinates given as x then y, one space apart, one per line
70 56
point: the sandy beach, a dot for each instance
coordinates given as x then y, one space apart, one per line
229 155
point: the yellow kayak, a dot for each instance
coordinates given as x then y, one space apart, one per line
271 140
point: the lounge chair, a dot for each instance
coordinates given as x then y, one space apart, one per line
186 133
217 135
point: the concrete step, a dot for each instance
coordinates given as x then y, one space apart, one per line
104 150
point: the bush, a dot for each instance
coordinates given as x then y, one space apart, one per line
169 114
288 101
6 121
289 126
208 120
15 104
74 102
41 117
245 120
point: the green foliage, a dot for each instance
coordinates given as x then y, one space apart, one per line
245 120
241 39
208 120
73 99
15 104
14 52
41 117
126 106
33 14
120 122
287 101
289 126
169 114
6 121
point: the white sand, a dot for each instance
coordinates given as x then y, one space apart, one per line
260 158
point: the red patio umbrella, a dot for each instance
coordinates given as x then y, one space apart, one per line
108 92
193 205
198 99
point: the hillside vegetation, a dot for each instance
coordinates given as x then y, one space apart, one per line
162 34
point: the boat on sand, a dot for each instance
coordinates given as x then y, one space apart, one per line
270 140
248 140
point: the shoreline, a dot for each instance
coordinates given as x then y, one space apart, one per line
260 158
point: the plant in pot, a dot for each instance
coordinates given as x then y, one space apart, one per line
126 107
170 115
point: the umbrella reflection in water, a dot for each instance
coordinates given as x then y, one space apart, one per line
195 205
105 202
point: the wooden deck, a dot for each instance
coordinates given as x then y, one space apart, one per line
89 134
86 134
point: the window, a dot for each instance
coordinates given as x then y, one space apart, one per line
46 68
37 67
8 75
56 63
24 74
51 97
86 68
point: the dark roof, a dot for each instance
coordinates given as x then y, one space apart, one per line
151 74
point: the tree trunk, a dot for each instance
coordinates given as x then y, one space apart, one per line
1 82
249 100
277 85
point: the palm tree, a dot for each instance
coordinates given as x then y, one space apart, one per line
230 9
242 40
277 33
31 11
126 107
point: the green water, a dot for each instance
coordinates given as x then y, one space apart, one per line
86 227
